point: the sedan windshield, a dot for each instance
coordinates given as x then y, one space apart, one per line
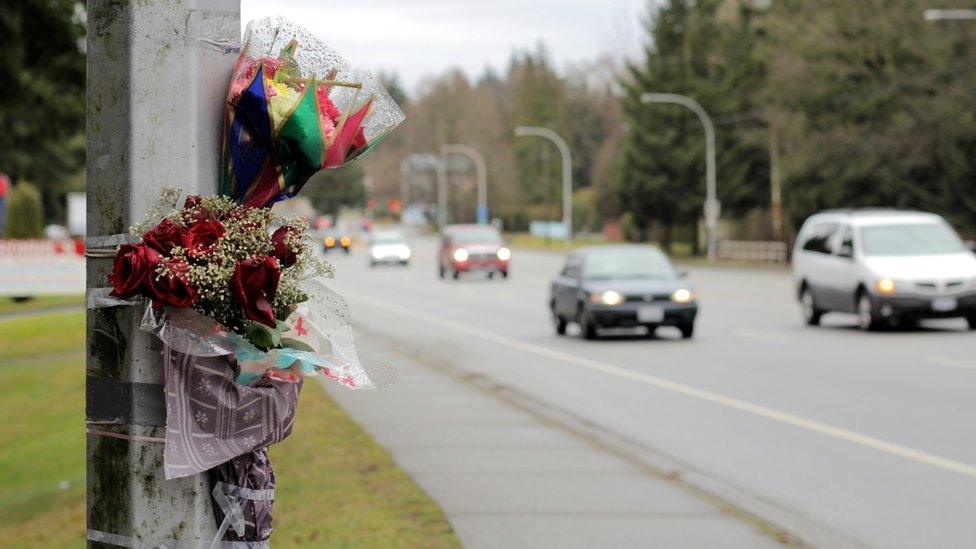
388 238
627 264
910 239
476 237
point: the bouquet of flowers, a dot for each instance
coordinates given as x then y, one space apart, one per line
296 107
221 281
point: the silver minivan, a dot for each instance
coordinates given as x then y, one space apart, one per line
885 266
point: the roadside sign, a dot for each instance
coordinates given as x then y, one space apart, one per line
42 267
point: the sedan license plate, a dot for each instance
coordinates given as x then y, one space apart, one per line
650 313
944 304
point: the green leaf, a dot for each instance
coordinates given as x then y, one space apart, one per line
262 336
282 326
290 343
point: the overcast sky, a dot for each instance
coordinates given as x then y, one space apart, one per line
420 38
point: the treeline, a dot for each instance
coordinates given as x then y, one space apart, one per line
42 107
524 177
838 103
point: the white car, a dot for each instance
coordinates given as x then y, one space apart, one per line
387 246
885 266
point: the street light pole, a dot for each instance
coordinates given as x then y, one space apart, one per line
404 183
440 169
711 196
479 164
546 133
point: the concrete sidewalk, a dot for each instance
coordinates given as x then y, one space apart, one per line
508 477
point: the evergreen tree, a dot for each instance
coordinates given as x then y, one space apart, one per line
42 95
25 217
330 190
876 105
692 50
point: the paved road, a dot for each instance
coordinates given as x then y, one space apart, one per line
838 436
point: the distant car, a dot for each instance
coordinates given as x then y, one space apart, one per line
885 266
334 238
622 286
387 246
466 248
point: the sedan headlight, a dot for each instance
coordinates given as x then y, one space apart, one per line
683 295
404 253
504 254
608 297
885 286
460 254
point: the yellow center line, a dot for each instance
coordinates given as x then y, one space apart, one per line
681 388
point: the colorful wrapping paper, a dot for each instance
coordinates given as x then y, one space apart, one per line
294 107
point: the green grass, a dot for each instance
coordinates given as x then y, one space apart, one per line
36 338
527 241
336 487
9 305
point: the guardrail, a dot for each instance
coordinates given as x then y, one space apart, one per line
753 251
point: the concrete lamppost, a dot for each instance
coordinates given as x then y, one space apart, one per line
546 133
141 136
712 205
440 169
479 164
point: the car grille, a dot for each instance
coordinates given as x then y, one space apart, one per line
647 298
481 256
933 287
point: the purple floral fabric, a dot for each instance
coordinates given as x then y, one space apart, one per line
211 419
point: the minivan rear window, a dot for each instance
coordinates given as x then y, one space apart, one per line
910 239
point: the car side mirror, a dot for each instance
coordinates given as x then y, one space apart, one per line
846 251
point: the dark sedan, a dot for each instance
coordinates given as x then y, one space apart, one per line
622 286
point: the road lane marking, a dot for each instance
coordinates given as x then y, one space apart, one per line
762 335
951 362
687 390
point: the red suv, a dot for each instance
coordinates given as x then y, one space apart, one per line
472 248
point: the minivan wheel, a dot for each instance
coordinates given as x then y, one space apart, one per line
811 314
867 319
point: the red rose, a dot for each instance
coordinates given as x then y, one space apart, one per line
174 288
202 237
284 253
134 265
164 236
192 201
254 285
